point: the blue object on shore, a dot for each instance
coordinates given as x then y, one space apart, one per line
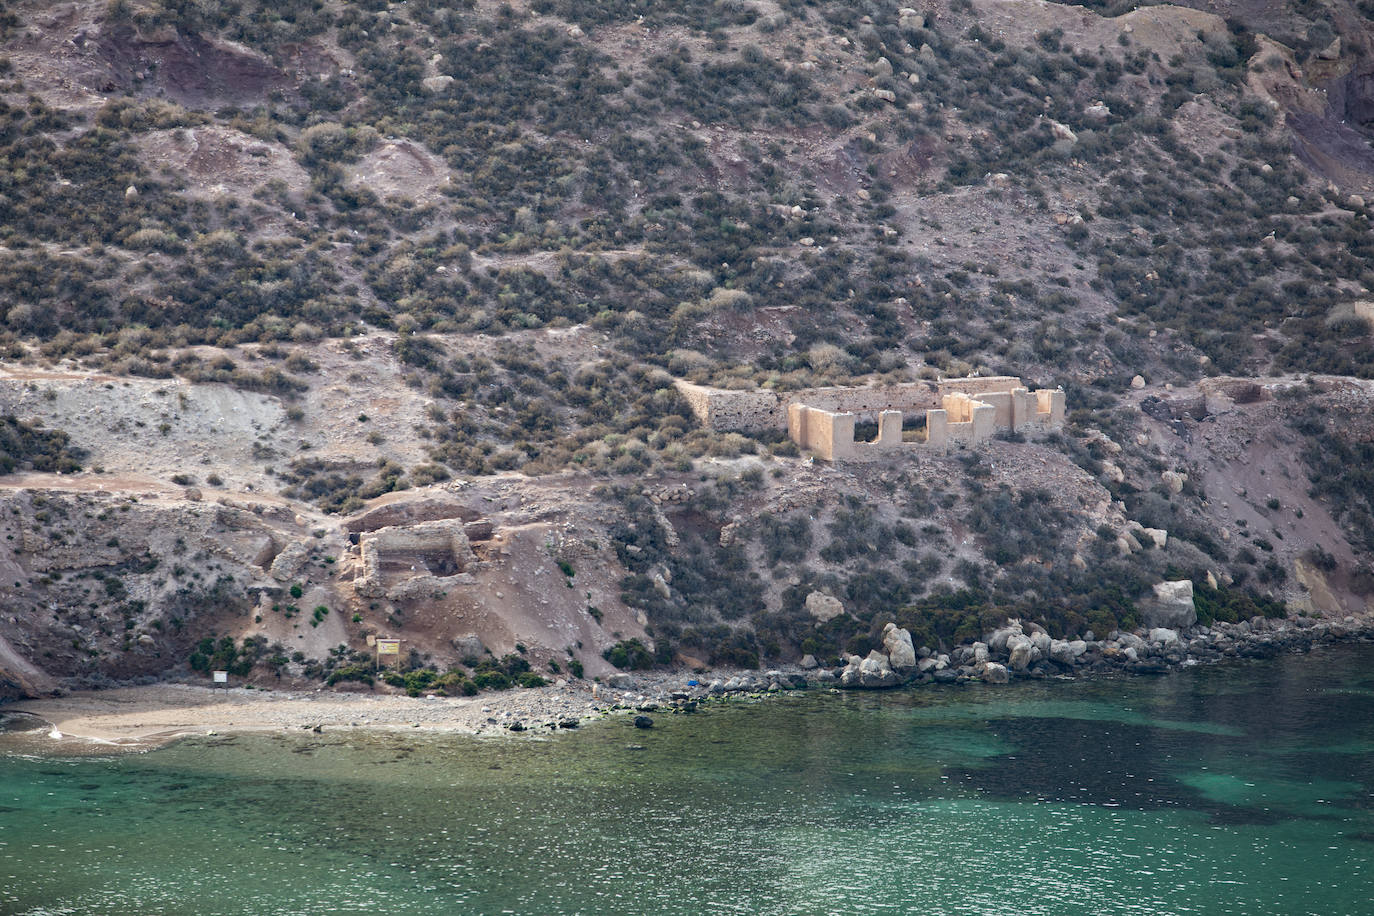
693 683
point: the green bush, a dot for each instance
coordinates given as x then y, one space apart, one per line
29 445
629 655
361 673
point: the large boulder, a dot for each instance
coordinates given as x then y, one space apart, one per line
1130 641
1019 652
1171 607
1066 652
999 641
823 607
1164 637
901 654
994 673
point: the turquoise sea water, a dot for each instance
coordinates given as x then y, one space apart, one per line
1246 789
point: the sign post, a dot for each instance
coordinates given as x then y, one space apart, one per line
388 647
222 677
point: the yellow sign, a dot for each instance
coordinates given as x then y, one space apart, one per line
388 647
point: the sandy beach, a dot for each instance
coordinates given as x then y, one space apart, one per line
138 718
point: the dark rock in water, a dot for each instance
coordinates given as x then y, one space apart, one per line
643 722
517 726
567 723
946 676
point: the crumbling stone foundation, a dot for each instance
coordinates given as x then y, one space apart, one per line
958 412
428 550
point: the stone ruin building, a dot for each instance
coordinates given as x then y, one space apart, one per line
956 412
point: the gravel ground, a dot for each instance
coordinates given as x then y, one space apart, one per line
139 718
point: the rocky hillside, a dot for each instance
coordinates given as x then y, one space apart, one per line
326 319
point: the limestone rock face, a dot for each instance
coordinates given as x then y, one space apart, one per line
900 653
1172 606
809 662
289 562
823 607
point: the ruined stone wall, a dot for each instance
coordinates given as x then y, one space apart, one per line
890 428
958 411
963 421
1050 405
1001 402
978 385
874 399
830 435
743 411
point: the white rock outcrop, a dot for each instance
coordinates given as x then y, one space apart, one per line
1171 607
823 607
900 653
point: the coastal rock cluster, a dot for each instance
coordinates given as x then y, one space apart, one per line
1022 650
